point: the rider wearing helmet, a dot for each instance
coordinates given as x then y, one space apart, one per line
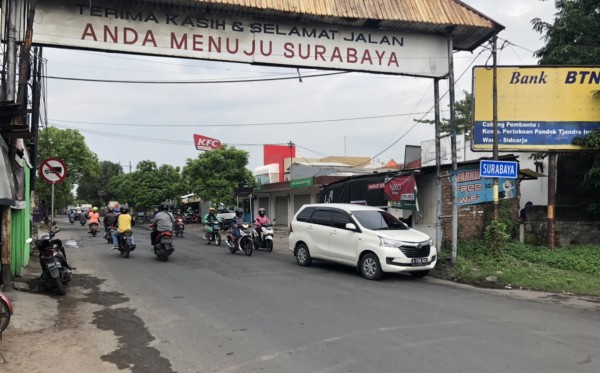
236 224
210 219
260 219
94 218
124 222
163 221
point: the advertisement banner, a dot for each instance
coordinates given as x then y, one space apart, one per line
402 191
472 189
206 143
130 26
539 108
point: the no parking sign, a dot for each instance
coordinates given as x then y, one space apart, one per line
53 170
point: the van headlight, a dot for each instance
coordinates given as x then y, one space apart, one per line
387 242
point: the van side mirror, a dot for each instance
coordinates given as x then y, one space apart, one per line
351 227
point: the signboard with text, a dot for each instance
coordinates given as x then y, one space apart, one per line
539 108
472 189
507 169
192 32
206 143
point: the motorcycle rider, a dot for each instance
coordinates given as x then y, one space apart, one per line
260 219
163 221
124 222
236 224
93 218
209 219
110 218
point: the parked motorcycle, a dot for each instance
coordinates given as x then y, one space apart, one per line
245 242
179 226
125 243
215 235
94 229
6 311
108 234
53 260
263 236
164 245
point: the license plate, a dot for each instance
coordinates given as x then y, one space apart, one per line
166 240
53 265
419 261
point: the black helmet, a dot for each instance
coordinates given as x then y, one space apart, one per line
239 212
164 206
261 211
124 210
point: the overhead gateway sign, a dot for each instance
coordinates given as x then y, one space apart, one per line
172 30
505 169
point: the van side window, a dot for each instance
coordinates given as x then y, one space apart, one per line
322 217
340 220
305 214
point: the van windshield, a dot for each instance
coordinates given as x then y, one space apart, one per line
379 220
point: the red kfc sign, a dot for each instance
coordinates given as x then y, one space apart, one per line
206 143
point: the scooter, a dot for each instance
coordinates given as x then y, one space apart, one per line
263 236
215 235
6 311
244 243
125 243
108 234
82 219
94 229
163 246
179 227
56 272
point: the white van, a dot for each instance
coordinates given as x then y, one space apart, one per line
368 238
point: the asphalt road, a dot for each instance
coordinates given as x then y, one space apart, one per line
206 310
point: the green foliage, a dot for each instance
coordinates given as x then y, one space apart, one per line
148 186
573 269
69 146
215 174
463 115
496 231
93 187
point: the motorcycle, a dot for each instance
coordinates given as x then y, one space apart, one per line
215 235
179 227
108 234
82 219
164 245
53 260
94 229
71 219
245 242
263 237
6 311
125 243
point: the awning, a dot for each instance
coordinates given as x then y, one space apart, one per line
7 182
527 174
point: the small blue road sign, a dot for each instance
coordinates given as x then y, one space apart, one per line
505 169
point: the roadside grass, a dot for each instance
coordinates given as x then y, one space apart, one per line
572 269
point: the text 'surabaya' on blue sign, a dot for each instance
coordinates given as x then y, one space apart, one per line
505 169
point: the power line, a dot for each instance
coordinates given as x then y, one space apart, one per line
191 81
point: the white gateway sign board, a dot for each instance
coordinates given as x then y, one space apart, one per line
171 30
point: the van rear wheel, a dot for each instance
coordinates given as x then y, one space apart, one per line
303 255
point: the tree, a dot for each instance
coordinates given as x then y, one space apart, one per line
463 117
69 146
215 174
93 187
148 185
573 39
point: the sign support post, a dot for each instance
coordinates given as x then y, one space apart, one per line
52 210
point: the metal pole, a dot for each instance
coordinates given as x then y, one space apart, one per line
552 160
438 162
453 146
495 145
52 210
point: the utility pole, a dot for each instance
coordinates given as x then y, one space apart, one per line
291 144
453 147
438 165
552 161
495 145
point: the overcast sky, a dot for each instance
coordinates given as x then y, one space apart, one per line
354 114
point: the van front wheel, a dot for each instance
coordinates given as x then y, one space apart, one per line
370 267
303 255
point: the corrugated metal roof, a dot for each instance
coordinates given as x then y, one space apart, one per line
471 28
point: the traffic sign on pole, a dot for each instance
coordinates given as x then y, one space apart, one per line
53 170
504 169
